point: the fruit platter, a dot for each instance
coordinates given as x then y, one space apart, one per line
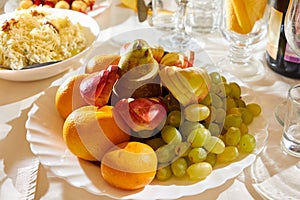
142 121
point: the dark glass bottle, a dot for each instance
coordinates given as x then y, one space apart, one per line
279 56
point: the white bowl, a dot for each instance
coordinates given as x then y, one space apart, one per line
91 32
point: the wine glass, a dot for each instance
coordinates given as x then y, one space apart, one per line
243 24
179 39
292 34
292 26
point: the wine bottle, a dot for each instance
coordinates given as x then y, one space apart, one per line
280 58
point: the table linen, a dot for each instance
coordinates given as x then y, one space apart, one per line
16 99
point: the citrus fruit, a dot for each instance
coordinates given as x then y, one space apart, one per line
90 131
68 96
129 165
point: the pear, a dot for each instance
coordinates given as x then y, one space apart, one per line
138 72
135 54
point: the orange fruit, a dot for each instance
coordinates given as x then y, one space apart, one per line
129 165
101 62
68 96
89 132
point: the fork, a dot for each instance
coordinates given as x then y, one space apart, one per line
26 180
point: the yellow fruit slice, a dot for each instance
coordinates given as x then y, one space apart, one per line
130 4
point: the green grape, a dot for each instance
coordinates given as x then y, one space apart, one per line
211 158
214 129
165 153
232 120
247 116
198 137
171 102
224 79
229 154
218 89
234 110
206 101
196 112
155 143
240 103
179 167
199 171
183 149
164 173
197 155
170 134
230 103
217 102
227 89
235 90
174 118
254 108
247 143
220 115
188 126
232 136
244 129
214 145
213 113
215 77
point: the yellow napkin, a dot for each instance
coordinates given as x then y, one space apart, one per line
242 14
130 4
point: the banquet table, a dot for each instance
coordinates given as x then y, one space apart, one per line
16 99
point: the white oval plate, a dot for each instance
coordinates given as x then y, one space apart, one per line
99 7
92 31
44 134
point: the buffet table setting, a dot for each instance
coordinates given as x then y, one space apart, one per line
28 169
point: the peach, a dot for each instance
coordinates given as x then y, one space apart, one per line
129 165
97 87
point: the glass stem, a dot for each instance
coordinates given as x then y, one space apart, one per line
181 17
240 54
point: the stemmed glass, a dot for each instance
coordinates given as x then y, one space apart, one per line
179 39
243 24
292 26
292 34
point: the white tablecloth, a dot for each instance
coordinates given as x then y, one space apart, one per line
16 99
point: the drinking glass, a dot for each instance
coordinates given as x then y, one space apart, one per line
164 14
179 39
243 24
203 16
291 128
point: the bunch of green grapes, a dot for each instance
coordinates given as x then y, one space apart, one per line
230 117
197 137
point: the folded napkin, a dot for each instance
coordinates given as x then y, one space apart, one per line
130 4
